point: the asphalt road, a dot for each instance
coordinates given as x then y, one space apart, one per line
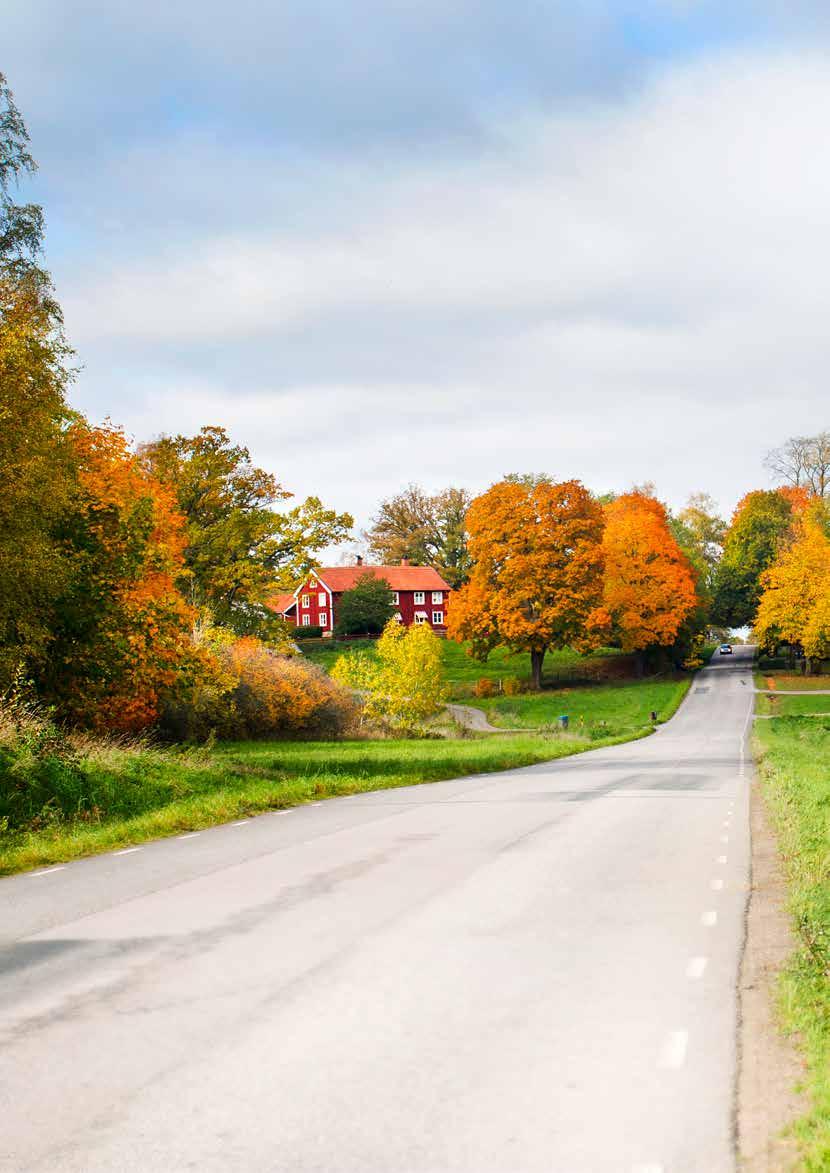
533 970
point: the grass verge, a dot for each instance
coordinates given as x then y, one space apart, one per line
145 793
794 765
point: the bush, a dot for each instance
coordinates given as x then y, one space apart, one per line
513 686
310 632
41 775
366 608
249 691
485 687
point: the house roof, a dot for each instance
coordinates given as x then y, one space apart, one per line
282 603
400 578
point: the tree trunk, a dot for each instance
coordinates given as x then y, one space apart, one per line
640 664
536 658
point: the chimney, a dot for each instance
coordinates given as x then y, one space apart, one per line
404 561
358 560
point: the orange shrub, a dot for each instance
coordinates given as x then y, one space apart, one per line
485 687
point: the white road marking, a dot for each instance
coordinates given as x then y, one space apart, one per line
721 859
241 823
716 884
696 967
724 838
709 918
647 1169
127 851
189 835
673 1053
49 871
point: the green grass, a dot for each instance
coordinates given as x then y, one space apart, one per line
788 681
597 710
794 757
148 793
462 671
773 705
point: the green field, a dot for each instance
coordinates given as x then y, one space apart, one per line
797 683
794 756
597 710
774 705
144 793
462 671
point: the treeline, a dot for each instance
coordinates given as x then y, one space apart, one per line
134 584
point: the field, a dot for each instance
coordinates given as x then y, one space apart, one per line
794 758
772 705
141 793
597 710
778 680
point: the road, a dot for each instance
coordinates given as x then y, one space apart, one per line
528 971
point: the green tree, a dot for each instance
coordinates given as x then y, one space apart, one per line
240 549
36 462
759 526
426 529
366 608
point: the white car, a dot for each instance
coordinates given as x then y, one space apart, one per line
725 650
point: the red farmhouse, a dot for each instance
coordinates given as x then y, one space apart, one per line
419 593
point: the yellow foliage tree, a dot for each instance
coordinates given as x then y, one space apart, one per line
795 599
403 681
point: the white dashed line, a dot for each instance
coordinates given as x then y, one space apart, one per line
127 851
647 1169
49 871
696 967
673 1053
189 835
721 859
724 838
241 823
709 918
716 885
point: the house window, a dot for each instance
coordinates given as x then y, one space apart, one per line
306 621
396 598
304 601
420 616
323 619
398 617
438 618
420 598
322 599
437 596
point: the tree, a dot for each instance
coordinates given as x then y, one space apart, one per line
759 526
404 679
36 462
366 608
700 530
121 637
426 529
536 578
794 607
649 586
804 462
239 548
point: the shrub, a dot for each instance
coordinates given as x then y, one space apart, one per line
485 687
41 774
513 686
366 608
310 632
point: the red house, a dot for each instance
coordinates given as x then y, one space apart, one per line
419 593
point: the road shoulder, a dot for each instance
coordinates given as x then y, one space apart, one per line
769 1065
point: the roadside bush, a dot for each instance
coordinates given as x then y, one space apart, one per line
485 687
41 774
513 686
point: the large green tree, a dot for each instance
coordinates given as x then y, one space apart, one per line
366 608
759 527
428 529
240 548
36 464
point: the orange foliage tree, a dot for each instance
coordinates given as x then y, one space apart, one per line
649 584
536 578
795 600
123 634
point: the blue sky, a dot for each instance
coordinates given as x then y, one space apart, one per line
391 241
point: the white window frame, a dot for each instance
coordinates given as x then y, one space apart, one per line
438 618
398 617
421 618
437 596
396 598
323 618
306 621
305 600
322 599
420 597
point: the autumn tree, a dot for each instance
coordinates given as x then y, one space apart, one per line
240 548
121 635
794 607
649 585
804 463
699 531
536 578
428 529
366 608
403 679
759 527
36 465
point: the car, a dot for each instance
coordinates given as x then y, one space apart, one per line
725 650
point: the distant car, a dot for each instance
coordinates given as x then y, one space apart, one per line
725 650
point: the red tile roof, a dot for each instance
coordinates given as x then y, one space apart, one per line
281 603
400 578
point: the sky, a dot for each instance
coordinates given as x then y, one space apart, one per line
398 241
